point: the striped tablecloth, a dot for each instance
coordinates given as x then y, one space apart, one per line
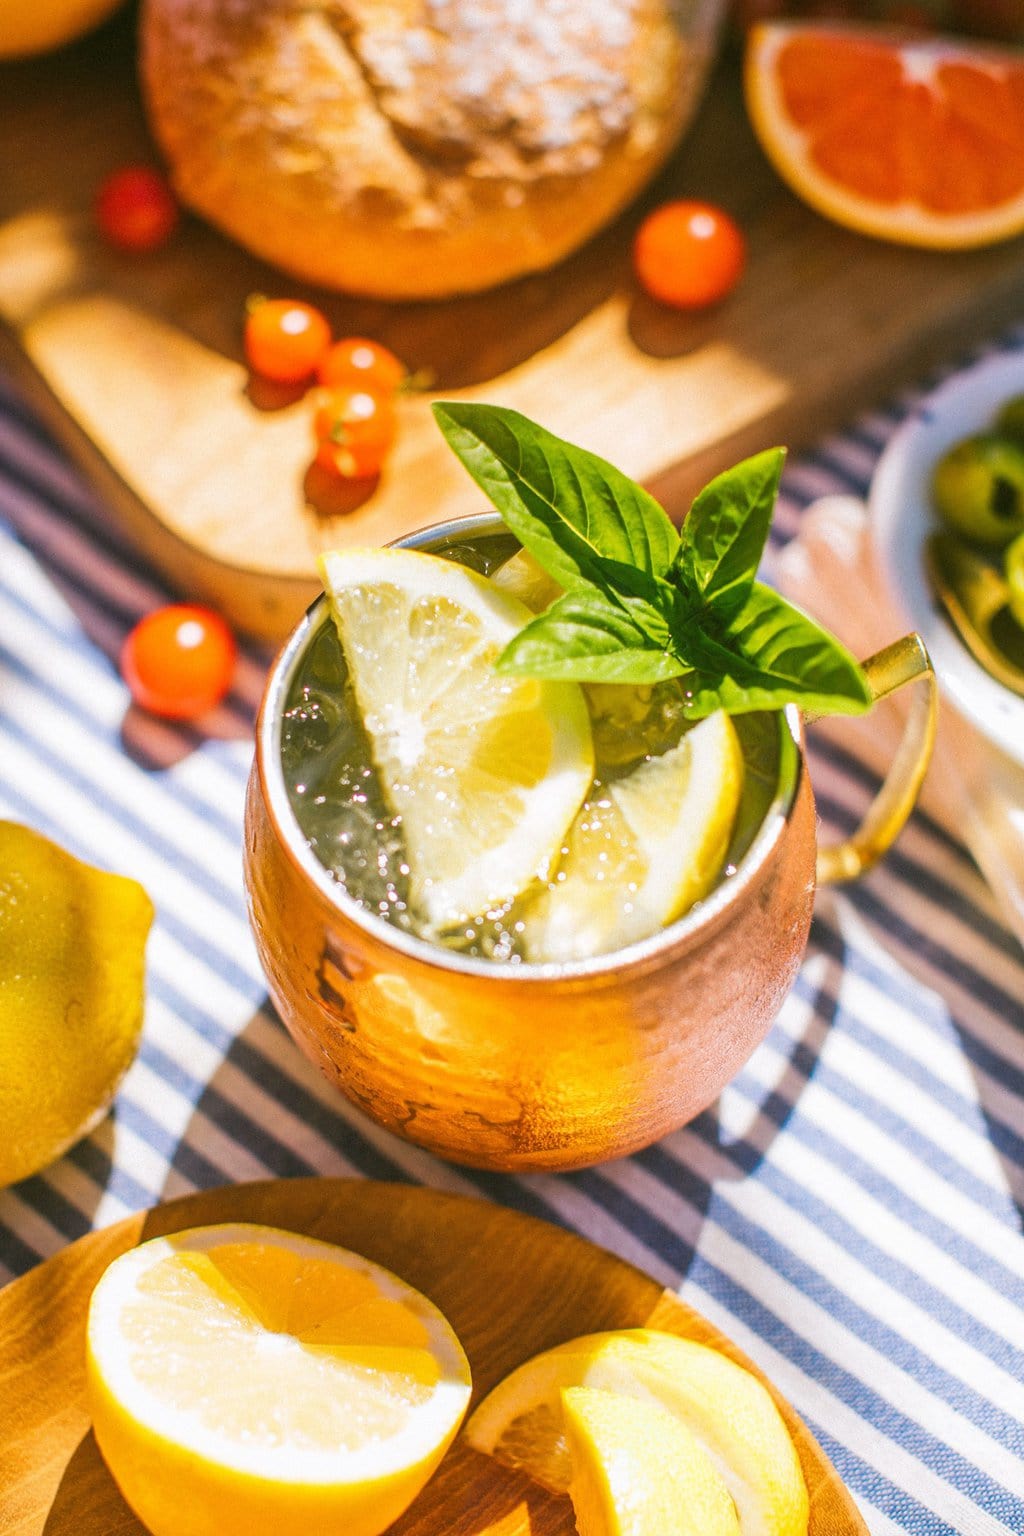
850 1212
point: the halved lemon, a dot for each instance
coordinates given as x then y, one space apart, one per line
34 26
910 138
246 1379
728 1411
638 1471
486 771
642 849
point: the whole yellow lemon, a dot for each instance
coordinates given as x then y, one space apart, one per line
72 973
33 26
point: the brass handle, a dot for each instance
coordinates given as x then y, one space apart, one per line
905 661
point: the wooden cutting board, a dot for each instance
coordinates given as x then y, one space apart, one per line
509 1285
137 362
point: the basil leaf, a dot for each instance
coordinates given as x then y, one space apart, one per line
569 508
589 637
642 603
772 654
724 534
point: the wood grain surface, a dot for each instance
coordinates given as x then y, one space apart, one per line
136 362
509 1284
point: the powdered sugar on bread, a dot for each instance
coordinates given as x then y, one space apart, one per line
487 136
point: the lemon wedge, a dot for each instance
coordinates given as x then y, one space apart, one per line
638 1471
642 849
246 1379
728 1411
485 771
525 578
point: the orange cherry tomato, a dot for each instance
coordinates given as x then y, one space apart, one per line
179 661
354 430
136 209
284 339
358 363
688 254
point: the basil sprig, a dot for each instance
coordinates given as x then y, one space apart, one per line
643 602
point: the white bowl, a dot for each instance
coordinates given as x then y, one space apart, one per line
902 517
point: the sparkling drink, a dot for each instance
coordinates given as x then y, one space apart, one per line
342 808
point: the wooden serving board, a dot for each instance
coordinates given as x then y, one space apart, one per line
137 361
510 1286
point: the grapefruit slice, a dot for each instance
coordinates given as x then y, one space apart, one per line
919 140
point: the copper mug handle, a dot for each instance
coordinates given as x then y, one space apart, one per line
899 665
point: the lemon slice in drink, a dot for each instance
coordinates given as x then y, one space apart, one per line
728 1411
244 1379
486 771
527 579
638 1471
642 850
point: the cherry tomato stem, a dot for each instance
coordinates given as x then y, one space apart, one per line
354 431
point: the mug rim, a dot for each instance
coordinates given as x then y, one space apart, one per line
684 929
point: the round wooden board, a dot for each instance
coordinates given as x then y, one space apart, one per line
510 1285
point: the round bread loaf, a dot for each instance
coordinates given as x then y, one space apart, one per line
418 148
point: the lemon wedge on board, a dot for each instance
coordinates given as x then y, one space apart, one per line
638 1471
730 1414
244 1379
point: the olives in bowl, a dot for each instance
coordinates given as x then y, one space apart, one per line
977 565
978 486
907 522
1013 564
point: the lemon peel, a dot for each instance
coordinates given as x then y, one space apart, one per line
72 977
638 1471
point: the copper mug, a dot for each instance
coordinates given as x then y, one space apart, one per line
548 1067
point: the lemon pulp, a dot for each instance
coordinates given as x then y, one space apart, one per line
240 1374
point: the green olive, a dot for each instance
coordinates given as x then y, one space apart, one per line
979 488
1014 570
1010 420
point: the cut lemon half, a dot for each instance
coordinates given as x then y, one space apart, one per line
486 771
245 1379
642 849
727 1410
638 1471
914 139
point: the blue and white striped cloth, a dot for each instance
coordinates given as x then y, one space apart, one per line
851 1211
